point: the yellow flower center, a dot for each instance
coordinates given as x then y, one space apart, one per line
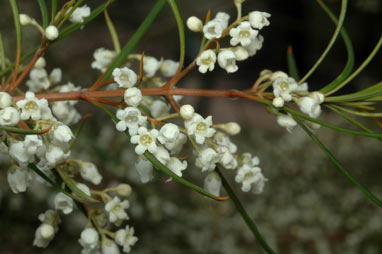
145 139
31 106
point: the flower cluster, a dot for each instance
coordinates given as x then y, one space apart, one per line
245 39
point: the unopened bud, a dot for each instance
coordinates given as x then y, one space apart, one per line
51 33
194 24
40 63
187 112
278 102
123 190
232 128
241 53
25 20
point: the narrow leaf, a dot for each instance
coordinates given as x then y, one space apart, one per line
331 42
137 36
340 167
368 93
54 10
24 131
349 49
44 13
113 32
358 133
250 223
292 66
182 38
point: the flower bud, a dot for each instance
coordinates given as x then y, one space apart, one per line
187 112
232 128
40 63
194 24
5 100
241 53
278 102
51 33
25 19
123 190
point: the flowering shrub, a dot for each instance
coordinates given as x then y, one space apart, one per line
40 122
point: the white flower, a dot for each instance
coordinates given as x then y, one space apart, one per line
145 140
168 68
9 116
44 234
194 24
90 173
89 239
145 170
278 102
31 107
214 28
176 165
40 63
223 140
62 134
207 159
64 203
130 118
150 66
226 158
5 100
25 19
283 87
241 53
109 247
79 14
55 155
159 108
162 155
242 34
133 96
20 153
212 183
125 238
51 32
19 179
102 59
38 80
55 76
248 176
84 188
33 144
176 146
123 189
309 106
186 111
65 112
206 61
116 210
125 77
255 45
227 61
200 128
168 133
259 19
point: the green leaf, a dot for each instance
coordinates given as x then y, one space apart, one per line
250 223
16 19
54 10
358 133
331 42
113 32
50 181
339 166
368 93
137 36
74 27
73 187
360 68
44 13
23 131
182 38
292 66
2 54
349 48
350 119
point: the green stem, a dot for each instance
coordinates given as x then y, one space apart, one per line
182 40
250 223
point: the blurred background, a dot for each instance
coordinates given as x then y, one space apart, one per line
308 205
